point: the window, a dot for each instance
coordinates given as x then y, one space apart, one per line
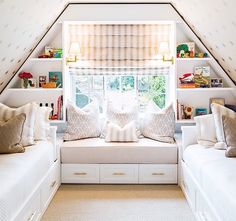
143 87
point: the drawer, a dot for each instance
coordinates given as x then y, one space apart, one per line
118 173
80 173
50 186
31 211
153 173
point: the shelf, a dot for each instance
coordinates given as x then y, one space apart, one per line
185 121
206 89
45 59
35 89
193 59
57 121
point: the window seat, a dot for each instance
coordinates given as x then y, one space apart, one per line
95 161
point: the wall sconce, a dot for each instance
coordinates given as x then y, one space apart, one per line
74 51
165 50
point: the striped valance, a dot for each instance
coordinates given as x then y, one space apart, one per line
119 45
119 71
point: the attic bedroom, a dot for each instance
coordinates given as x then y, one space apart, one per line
117 110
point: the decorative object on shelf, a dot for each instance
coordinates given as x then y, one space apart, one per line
74 52
220 101
187 81
200 111
49 85
57 53
164 50
202 77
42 80
49 51
56 76
216 82
188 112
25 76
32 83
186 50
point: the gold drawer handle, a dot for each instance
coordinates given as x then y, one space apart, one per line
118 174
80 174
31 217
158 174
53 183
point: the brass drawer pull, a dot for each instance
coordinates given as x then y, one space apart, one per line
53 183
158 174
118 174
31 217
80 174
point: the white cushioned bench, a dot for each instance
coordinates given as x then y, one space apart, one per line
95 161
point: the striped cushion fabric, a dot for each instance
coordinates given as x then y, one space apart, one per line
29 110
115 133
218 112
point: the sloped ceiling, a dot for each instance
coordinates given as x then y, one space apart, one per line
23 23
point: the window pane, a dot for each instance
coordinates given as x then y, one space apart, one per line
99 95
113 83
83 84
127 83
98 83
157 84
143 84
160 100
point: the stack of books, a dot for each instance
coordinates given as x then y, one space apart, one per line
187 81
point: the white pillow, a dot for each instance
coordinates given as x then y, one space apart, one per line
115 133
206 131
218 111
160 125
30 111
82 123
42 123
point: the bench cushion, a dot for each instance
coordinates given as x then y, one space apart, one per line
96 150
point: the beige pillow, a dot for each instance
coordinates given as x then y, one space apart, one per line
10 134
229 125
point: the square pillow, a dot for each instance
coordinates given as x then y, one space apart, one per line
229 125
206 131
115 133
218 111
10 135
159 125
82 122
42 123
29 110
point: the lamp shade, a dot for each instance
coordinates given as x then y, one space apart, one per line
74 48
164 48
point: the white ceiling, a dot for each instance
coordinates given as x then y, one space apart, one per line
23 23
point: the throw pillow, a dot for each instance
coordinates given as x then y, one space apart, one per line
10 135
115 133
218 111
160 125
29 109
82 123
206 132
42 123
229 125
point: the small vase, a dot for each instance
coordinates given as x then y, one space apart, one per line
25 83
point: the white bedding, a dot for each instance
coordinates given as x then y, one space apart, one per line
217 176
20 174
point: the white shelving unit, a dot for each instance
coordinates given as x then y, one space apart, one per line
199 97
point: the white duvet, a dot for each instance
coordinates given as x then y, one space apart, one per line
19 176
217 176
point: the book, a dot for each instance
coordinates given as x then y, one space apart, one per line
185 49
56 76
202 77
188 85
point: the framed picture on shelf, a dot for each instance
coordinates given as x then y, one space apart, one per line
56 76
216 82
42 80
220 101
200 111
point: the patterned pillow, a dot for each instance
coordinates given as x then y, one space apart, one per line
218 111
29 109
160 125
115 133
12 129
82 123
